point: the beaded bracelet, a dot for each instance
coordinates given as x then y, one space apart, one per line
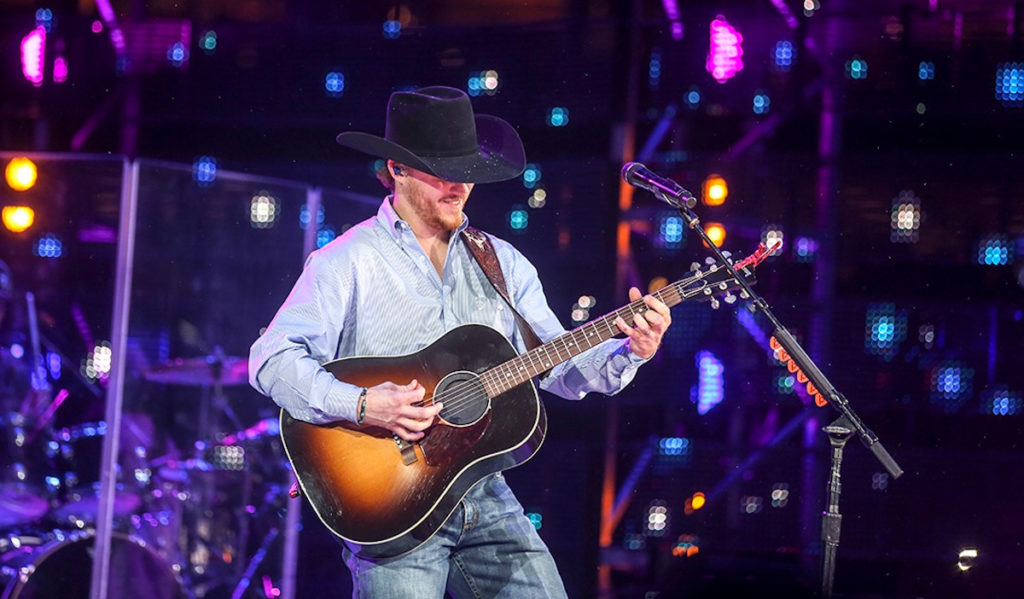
362 407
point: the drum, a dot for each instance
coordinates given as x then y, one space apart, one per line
81 453
26 483
62 568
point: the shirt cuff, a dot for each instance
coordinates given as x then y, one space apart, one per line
342 401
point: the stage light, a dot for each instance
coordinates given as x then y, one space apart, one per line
536 519
811 7
654 70
905 221
177 54
96 366
762 103
926 70
264 210
392 29
716 232
784 383
780 495
773 236
671 231
33 55
673 446
1010 83
97 26
558 116
885 330
783 55
995 250
208 41
518 219
657 518
952 383
1002 402
304 216
538 198
48 246
692 98
531 176
698 500
857 68
334 84
926 335
686 546
714 190
325 236
204 170
483 82
725 54
21 173
60 69
18 218
805 249
710 388
966 558
751 504
656 284
879 481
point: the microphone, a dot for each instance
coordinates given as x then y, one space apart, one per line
668 190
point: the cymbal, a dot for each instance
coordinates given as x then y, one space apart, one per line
206 371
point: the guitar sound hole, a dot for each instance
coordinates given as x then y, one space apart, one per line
464 397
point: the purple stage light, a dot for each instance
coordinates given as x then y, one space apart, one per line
33 55
710 388
60 70
725 56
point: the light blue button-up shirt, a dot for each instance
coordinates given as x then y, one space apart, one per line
374 292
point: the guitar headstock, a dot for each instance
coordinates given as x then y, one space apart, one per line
713 281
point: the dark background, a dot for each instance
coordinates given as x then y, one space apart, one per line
945 393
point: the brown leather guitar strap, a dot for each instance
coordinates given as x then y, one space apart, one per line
480 246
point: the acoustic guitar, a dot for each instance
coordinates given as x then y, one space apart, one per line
385 496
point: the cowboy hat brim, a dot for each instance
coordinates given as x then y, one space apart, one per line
500 156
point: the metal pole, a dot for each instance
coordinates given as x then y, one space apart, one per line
115 392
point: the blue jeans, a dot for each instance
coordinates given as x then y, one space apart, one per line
486 549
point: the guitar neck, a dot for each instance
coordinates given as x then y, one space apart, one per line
540 359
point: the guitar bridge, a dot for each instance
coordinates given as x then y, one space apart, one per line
407 450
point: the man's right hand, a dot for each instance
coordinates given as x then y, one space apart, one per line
398 408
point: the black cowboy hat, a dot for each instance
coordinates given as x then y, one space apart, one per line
433 129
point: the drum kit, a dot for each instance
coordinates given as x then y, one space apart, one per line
193 524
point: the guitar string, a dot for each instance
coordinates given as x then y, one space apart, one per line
461 397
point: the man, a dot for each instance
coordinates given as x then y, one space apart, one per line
396 282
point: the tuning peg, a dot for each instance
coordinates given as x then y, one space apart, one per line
744 294
709 260
723 286
714 303
729 298
727 254
695 266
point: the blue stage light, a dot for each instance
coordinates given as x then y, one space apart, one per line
783 55
1002 402
762 103
558 116
926 71
671 232
952 383
325 236
885 330
204 170
531 176
710 389
692 98
48 246
1010 83
857 68
518 219
654 70
805 249
995 250
392 29
334 84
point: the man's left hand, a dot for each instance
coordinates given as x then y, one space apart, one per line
648 327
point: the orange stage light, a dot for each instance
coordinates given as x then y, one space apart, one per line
21 174
714 191
716 232
18 218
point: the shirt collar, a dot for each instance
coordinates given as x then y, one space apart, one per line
394 224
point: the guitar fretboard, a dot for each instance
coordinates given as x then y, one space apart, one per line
542 358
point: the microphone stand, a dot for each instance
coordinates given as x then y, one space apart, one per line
839 431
